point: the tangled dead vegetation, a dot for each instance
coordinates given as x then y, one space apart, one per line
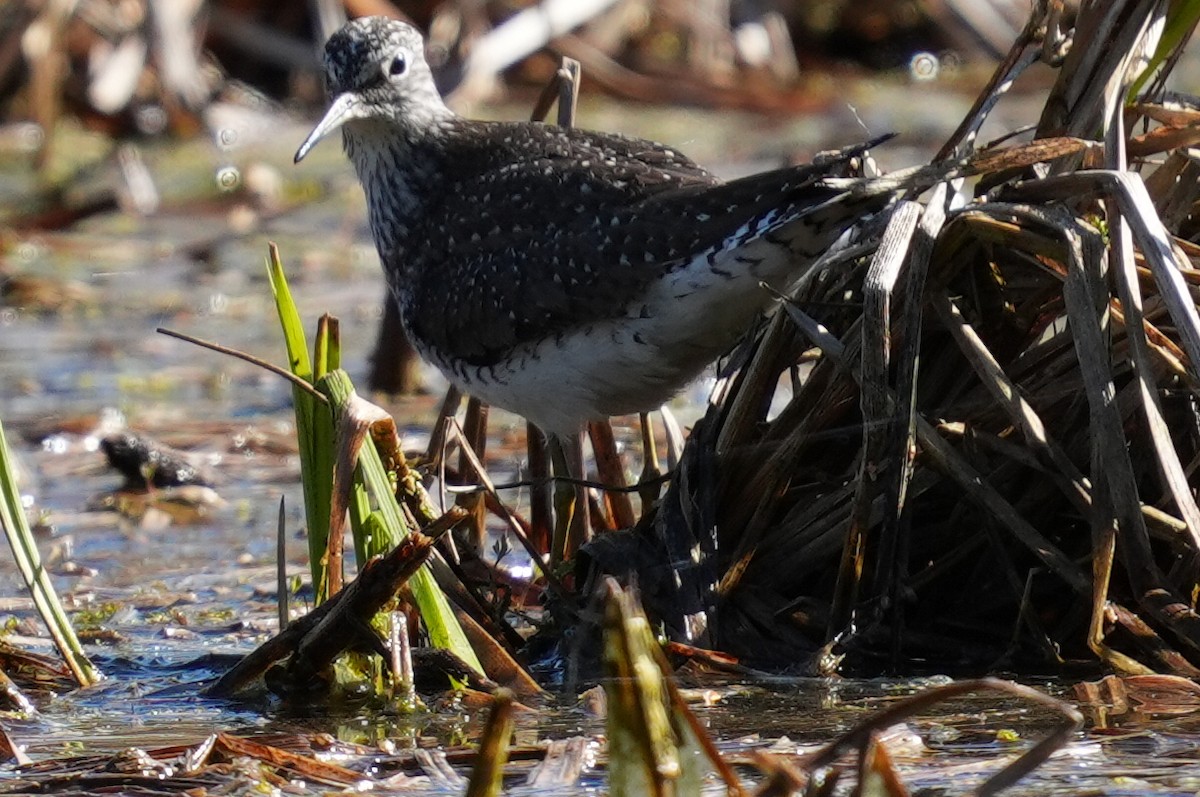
987 456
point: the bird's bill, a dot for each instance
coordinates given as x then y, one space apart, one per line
344 108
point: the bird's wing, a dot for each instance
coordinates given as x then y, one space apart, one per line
563 239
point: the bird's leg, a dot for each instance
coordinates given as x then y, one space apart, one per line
616 504
571 526
675 436
564 502
580 528
474 535
541 507
651 468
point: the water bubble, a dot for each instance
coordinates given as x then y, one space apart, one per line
27 251
30 137
150 120
362 256
924 66
218 303
753 42
228 178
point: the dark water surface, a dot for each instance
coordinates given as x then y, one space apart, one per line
184 598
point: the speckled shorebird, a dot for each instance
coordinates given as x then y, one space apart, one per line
563 274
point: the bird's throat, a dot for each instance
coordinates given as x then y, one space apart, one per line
397 176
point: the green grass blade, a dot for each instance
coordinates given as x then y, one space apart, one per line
370 533
321 350
324 447
289 318
314 427
440 622
327 348
377 530
29 562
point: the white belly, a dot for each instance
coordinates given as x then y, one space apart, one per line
631 364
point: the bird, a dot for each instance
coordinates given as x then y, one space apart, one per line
563 274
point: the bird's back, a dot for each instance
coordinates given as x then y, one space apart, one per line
534 230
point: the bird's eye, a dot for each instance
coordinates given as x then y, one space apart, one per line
398 65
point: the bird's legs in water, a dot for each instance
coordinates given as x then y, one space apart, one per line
573 523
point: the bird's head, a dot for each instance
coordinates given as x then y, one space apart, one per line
375 69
